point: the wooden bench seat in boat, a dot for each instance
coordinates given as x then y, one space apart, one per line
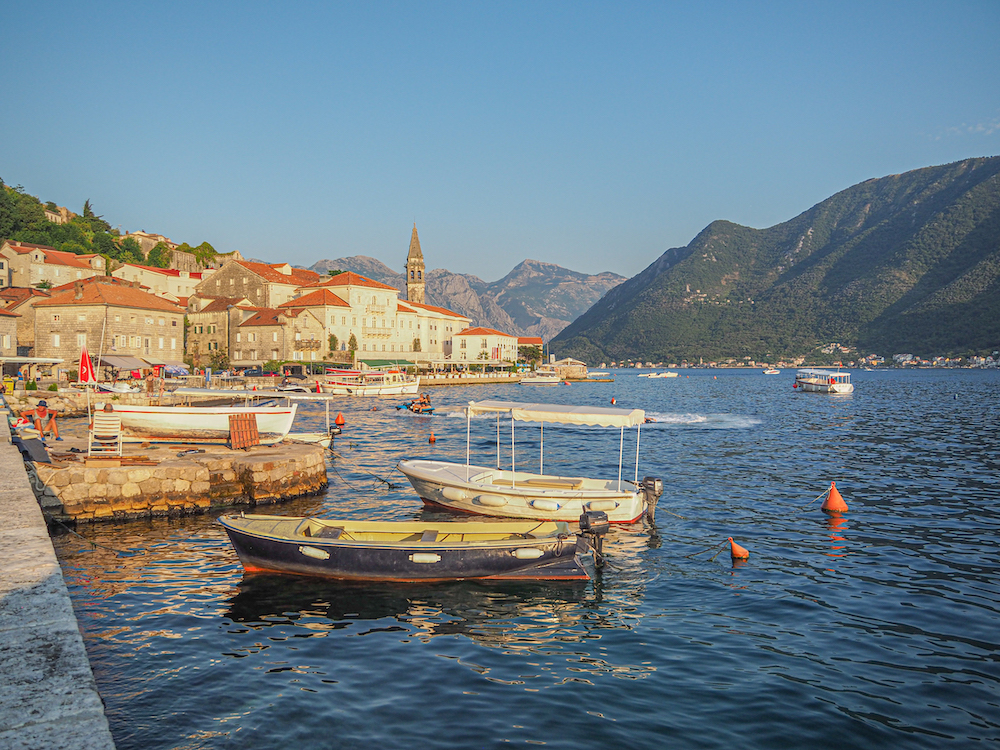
558 483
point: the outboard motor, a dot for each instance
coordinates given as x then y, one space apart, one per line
594 525
652 487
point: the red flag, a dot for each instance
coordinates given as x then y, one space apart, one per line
86 368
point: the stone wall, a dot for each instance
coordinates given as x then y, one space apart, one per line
175 486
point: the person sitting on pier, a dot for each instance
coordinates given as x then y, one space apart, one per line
43 419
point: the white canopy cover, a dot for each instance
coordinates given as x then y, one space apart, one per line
601 416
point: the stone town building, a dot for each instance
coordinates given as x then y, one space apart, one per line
22 301
147 240
291 334
8 333
29 265
265 285
163 281
111 317
415 270
483 345
212 323
59 214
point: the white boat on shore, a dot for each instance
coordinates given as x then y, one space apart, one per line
541 377
370 383
521 494
199 424
823 381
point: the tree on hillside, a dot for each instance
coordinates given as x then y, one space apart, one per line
129 251
159 256
530 353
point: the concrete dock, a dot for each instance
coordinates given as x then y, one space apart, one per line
48 696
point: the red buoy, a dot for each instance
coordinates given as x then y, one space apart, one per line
834 503
738 552
340 419
432 439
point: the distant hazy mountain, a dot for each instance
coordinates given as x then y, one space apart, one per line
534 299
905 263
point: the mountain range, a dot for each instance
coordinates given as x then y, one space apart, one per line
534 299
904 263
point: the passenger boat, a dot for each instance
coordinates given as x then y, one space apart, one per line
414 550
823 381
521 494
369 383
541 377
199 424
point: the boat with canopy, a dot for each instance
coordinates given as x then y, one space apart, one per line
516 493
823 381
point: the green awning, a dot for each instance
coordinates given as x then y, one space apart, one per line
376 363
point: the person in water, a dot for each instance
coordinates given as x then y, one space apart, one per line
43 419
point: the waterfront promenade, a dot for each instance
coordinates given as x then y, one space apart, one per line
48 697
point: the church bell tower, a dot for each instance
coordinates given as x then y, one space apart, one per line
415 270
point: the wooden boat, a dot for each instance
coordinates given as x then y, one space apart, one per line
413 550
369 383
520 494
823 381
199 424
541 377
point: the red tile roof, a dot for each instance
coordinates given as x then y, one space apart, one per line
400 307
15 296
164 271
110 294
9 314
55 257
529 340
442 310
482 332
319 298
298 276
349 278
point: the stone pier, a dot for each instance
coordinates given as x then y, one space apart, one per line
170 480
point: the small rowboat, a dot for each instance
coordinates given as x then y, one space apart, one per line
414 550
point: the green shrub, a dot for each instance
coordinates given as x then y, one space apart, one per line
53 387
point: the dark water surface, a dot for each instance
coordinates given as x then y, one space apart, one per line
882 627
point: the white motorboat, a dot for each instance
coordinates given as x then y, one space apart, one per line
772 371
199 424
667 374
521 494
370 383
823 381
541 377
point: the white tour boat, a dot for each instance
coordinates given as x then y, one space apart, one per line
823 381
541 377
199 424
369 383
521 494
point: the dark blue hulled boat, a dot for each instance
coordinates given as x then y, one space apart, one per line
414 550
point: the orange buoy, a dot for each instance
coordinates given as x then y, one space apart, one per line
738 552
317 387
834 503
432 439
374 408
613 402
340 419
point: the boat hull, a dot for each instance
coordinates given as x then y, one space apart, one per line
492 492
555 557
377 389
199 424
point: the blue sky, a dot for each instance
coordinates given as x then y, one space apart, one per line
591 135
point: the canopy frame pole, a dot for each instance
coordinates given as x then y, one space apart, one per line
512 450
638 430
621 449
498 440
468 440
541 450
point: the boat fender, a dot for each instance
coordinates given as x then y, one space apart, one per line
494 501
545 504
832 381
313 552
454 494
528 553
425 557
602 505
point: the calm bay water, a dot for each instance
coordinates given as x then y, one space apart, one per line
879 627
